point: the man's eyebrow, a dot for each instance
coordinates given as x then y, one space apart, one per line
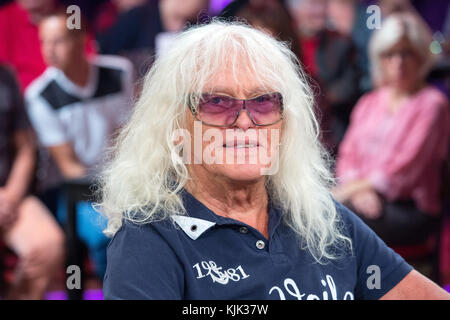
231 92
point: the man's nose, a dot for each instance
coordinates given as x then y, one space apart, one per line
244 121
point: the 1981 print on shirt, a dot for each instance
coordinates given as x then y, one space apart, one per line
217 274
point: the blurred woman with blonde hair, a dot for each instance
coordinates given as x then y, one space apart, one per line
390 163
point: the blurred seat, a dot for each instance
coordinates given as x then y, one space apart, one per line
426 257
76 190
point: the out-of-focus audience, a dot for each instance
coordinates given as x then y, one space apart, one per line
384 123
75 107
390 163
330 58
270 16
140 28
20 45
349 18
19 37
26 225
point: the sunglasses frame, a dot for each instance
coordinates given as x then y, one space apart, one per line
195 111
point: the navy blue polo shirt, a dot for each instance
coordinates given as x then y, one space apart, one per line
206 256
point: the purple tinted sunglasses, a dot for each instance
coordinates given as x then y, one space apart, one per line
223 111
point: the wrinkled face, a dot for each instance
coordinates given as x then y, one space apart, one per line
240 152
59 47
401 65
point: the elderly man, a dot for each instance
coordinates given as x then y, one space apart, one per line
219 188
75 107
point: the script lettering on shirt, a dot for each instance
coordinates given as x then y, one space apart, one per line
218 274
330 291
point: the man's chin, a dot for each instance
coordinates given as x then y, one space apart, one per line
243 172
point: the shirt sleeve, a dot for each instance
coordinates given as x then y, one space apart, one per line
426 140
45 122
379 268
142 266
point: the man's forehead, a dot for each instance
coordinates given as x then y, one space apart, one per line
54 24
238 84
235 90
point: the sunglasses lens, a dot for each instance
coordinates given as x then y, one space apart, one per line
265 109
218 110
222 110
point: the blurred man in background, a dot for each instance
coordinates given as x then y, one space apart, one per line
26 226
19 37
75 107
329 58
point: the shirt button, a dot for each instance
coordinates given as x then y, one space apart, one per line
243 230
260 244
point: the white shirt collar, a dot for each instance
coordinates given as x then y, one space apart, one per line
193 227
70 87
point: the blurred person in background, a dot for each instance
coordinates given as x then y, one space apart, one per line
19 37
349 18
129 28
26 226
142 27
331 60
389 7
20 45
270 16
390 163
75 107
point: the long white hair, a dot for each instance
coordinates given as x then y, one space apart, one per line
145 174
